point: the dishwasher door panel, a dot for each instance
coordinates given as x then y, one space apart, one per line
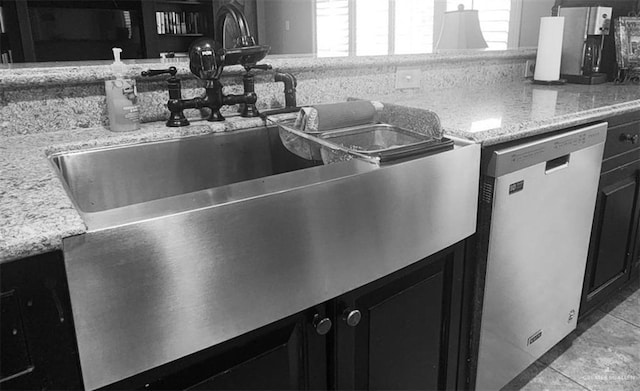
538 239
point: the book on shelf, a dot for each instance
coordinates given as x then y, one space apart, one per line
170 22
183 23
159 23
6 57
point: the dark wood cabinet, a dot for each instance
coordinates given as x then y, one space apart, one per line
399 332
38 347
408 329
615 243
275 357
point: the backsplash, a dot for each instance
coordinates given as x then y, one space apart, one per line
33 102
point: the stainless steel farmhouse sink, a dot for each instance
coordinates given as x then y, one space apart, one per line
195 241
116 185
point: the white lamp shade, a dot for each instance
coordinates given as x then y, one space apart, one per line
461 30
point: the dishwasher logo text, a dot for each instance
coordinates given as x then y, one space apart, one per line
536 336
516 187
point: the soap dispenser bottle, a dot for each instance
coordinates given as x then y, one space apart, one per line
122 100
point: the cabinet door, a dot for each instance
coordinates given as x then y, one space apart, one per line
275 357
37 345
407 333
278 362
614 234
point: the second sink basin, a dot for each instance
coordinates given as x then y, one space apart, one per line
151 175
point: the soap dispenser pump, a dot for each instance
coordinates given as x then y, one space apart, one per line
122 99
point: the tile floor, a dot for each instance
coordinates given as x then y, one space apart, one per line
602 354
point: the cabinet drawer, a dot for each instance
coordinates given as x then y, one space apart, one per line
622 139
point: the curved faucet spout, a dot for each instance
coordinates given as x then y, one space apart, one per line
229 10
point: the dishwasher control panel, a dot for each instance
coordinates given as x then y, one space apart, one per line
524 155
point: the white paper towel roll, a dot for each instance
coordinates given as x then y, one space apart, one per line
549 48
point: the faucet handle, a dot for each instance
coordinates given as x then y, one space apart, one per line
154 72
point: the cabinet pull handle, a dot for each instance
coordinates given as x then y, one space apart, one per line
51 285
322 325
628 137
352 317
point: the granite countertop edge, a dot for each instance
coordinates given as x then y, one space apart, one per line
535 128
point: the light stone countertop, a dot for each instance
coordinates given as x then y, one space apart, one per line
499 113
36 214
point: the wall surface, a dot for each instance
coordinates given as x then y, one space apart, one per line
532 11
288 26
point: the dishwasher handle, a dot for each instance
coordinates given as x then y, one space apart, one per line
557 164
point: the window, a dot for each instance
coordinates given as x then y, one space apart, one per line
380 27
373 27
413 26
332 28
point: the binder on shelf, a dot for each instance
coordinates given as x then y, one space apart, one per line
3 28
167 23
159 23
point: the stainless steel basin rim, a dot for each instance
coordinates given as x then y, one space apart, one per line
119 185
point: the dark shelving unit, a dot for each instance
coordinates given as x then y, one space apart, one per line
27 25
180 23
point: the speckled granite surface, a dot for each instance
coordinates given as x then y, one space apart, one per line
52 98
503 112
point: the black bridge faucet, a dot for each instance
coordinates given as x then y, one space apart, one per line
207 58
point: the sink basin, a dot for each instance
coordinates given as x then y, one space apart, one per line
197 241
146 180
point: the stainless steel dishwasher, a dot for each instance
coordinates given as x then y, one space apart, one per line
538 200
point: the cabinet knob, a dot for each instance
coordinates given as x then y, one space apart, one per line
322 325
352 317
627 137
